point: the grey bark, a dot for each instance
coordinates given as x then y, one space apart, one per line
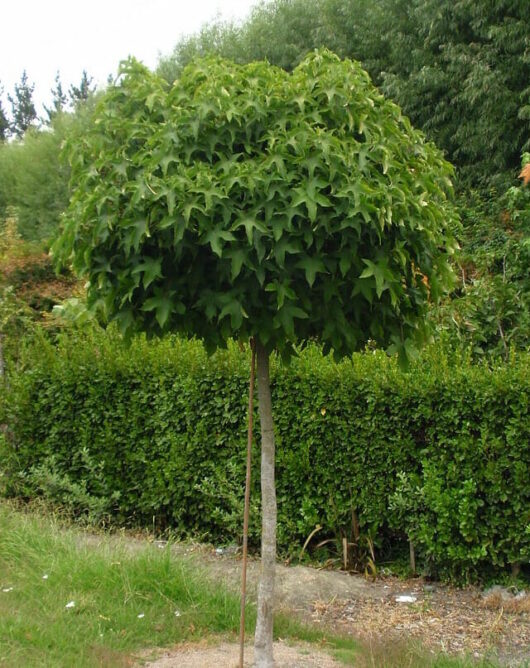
263 653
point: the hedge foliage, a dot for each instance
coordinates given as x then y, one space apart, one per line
157 432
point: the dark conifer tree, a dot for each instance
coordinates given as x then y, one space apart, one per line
59 99
4 121
82 92
22 106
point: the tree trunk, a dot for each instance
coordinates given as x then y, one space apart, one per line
263 657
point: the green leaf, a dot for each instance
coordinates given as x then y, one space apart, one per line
285 245
151 99
250 224
150 269
238 258
312 266
283 290
380 272
215 237
345 261
365 288
134 234
286 316
166 160
304 197
234 310
162 306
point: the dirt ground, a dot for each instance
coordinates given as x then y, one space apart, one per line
442 618
227 656
455 621
468 621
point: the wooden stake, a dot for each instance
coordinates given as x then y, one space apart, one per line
247 506
345 552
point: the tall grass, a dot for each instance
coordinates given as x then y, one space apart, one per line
122 601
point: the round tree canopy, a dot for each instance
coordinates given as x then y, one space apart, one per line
246 201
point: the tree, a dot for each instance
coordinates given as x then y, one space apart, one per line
23 109
58 101
34 177
4 121
81 93
248 202
460 71
280 31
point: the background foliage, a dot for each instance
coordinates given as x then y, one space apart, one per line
439 454
459 69
33 176
490 306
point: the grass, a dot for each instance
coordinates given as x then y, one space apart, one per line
125 602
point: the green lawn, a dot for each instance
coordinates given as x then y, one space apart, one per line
124 602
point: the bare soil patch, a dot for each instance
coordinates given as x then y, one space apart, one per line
226 655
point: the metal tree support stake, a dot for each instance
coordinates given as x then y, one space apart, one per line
247 505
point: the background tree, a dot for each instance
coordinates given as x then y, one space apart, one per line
81 93
34 177
4 121
23 109
58 101
245 201
459 69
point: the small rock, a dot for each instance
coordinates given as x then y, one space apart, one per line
498 590
229 550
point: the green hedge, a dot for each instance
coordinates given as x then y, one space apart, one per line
156 433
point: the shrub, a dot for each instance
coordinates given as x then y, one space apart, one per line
439 453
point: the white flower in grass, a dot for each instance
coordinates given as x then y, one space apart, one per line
70 604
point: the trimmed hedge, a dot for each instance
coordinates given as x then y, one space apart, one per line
157 432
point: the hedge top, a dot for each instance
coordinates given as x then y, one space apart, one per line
248 201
